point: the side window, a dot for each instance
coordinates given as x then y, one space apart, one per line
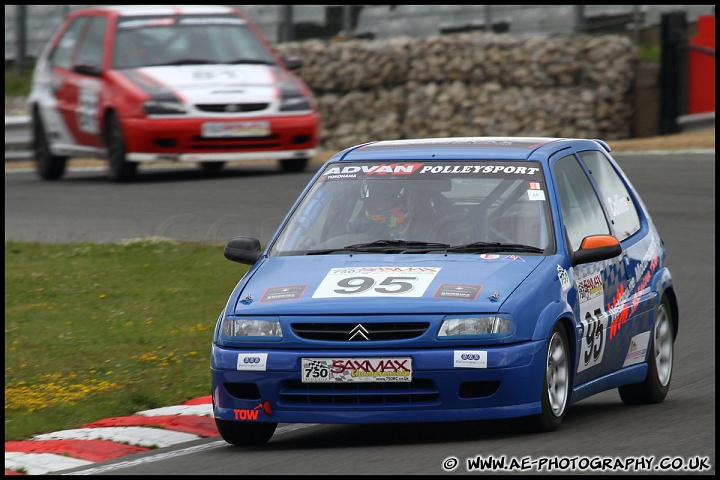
615 196
581 207
61 56
92 43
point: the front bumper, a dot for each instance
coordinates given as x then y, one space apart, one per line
180 140
510 386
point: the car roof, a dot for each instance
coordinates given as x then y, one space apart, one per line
138 10
468 148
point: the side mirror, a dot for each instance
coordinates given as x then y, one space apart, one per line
595 248
243 250
87 69
293 62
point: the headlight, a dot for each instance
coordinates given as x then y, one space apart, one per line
494 325
292 98
156 107
294 104
234 329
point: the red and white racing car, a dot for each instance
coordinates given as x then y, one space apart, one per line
136 84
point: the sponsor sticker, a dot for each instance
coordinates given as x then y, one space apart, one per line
454 290
470 358
352 171
253 414
618 205
362 369
211 21
564 278
252 361
536 195
637 349
590 290
274 294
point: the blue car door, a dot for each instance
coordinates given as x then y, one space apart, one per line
594 284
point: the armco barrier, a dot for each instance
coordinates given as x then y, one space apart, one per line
17 138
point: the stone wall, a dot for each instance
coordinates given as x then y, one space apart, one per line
470 84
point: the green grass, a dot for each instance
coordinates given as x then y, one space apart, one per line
102 330
650 53
18 85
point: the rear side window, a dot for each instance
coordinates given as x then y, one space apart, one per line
582 212
61 56
614 194
92 43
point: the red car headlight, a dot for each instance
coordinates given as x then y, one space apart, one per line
155 107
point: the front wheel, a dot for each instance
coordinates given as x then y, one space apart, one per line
556 384
120 169
47 165
655 387
212 166
291 165
244 433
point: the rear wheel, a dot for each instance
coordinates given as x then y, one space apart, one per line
290 165
556 384
245 434
47 165
655 387
120 169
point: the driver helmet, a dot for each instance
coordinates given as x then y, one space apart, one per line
385 202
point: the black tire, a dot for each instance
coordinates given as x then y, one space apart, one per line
120 169
556 383
655 387
244 433
47 165
212 166
291 165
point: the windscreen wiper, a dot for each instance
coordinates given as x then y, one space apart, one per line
249 61
484 247
183 61
386 246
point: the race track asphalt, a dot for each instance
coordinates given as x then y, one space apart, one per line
111 438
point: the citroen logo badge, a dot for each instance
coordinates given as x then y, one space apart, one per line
359 333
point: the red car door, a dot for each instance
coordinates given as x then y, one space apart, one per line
77 67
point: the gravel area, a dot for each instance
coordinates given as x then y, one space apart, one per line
15 105
701 139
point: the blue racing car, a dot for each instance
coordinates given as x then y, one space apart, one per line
447 279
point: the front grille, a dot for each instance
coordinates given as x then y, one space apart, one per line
339 332
231 107
358 393
234 143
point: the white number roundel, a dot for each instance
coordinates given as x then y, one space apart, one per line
376 282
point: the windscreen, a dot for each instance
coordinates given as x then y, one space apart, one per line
356 206
186 40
